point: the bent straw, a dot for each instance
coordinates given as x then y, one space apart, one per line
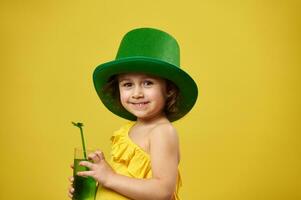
80 125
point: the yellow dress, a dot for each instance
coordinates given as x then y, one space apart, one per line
130 160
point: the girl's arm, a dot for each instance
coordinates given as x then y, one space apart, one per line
164 151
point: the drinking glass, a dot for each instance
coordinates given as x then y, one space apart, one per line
85 188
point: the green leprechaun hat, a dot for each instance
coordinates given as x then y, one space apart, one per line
150 51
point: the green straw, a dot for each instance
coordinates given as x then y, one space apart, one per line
80 125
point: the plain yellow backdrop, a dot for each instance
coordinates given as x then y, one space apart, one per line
240 142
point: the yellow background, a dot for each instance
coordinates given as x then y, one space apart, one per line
241 141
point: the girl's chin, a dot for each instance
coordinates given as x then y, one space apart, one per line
140 114
147 116
144 114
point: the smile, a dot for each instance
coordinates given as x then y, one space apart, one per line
140 104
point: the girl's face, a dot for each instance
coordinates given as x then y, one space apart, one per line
142 95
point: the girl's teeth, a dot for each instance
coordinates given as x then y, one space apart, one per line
139 104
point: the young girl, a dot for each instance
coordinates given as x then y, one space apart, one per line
145 85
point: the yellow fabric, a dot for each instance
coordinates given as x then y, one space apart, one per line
130 160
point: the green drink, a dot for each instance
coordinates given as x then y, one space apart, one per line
84 187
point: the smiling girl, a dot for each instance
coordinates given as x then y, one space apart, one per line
146 86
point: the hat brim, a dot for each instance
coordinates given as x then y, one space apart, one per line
186 85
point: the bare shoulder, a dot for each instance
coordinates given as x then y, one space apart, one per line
164 130
164 144
165 133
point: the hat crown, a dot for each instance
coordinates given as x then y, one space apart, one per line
151 43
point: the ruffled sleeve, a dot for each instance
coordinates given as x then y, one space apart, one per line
125 152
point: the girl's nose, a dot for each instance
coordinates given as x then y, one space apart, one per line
137 93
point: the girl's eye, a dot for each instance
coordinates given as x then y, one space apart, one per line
126 84
148 83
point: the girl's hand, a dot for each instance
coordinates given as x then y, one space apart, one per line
100 170
71 189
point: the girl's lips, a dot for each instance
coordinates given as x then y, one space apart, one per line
139 102
140 105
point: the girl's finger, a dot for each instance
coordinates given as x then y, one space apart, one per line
86 164
71 189
100 155
72 165
86 173
93 157
70 192
71 179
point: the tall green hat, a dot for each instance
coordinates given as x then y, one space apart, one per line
150 51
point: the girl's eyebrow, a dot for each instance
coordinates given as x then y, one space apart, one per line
127 79
123 79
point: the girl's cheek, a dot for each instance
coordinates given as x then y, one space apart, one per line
123 102
124 95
